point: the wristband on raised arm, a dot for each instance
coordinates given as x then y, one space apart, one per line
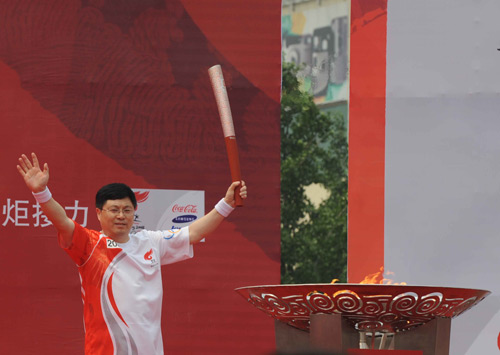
223 208
42 196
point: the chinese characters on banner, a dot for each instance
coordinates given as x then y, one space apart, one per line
25 213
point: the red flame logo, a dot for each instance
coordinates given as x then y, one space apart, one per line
141 196
148 255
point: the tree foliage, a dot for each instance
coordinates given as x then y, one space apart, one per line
313 150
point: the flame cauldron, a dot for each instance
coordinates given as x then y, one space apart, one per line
372 308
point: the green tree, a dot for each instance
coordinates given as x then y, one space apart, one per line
313 150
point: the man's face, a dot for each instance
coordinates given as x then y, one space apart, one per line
117 218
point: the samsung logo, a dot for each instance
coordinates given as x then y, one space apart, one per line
186 218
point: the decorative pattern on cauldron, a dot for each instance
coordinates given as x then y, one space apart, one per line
382 308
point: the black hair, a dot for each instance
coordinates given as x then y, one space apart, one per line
114 191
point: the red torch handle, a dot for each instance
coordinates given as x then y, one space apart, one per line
220 92
234 166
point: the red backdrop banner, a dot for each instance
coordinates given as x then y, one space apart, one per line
112 90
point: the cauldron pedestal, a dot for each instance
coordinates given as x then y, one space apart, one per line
330 333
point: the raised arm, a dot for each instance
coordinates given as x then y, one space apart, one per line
36 180
209 222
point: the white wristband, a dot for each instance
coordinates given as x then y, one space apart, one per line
223 208
42 196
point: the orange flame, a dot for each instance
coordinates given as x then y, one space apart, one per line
374 278
378 278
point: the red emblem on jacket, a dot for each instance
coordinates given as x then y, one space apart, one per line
148 255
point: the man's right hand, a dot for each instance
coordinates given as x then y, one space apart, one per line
35 178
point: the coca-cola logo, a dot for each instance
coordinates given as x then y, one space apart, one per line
185 209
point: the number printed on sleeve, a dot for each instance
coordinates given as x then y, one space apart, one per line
112 244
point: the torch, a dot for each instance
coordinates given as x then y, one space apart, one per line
226 119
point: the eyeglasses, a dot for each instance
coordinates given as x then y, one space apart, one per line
127 212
